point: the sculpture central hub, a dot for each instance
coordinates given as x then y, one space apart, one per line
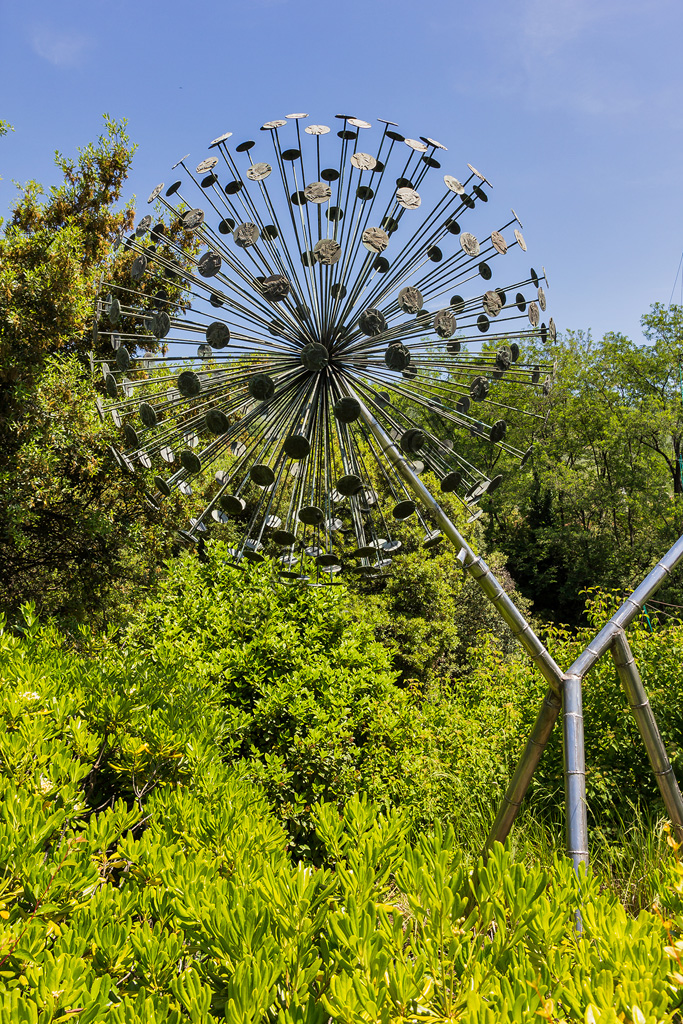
315 357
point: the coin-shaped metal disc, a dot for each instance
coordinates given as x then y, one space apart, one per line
190 462
258 172
363 161
218 334
327 251
316 129
492 303
245 235
520 239
311 515
499 243
375 240
207 165
318 192
275 288
408 198
189 384
479 389
444 324
296 446
261 387
469 244
410 299
315 357
209 264
403 509
372 321
397 357
262 475
192 219
347 410
453 184
217 422
155 193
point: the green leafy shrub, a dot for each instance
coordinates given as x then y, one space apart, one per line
144 876
311 695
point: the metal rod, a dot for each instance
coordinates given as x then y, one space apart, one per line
475 565
574 770
647 726
526 766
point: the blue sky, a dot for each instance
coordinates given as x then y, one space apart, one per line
572 108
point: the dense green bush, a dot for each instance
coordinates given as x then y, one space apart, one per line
310 695
181 901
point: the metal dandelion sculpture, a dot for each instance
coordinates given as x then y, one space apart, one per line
307 319
314 317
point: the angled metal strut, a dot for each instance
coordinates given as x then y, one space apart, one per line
565 688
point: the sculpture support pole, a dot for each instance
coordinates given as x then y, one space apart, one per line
645 720
565 689
574 770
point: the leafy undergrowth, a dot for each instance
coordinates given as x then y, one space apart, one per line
144 877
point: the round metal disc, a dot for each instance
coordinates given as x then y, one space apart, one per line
209 264
417 145
327 251
403 509
207 165
258 172
311 515
363 161
318 192
262 475
469 244
189 384
231 504
479 175
261 387
347 410
433 142
275 288
492 303
192 219
284 537
316 129
296 446
218 334
375 240
221 138
520 239
155 193
410 300
444 324
245 235
408 198
499 243
453 184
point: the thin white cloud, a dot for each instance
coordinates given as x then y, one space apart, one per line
63 49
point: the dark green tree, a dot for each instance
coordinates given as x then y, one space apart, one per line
72 533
